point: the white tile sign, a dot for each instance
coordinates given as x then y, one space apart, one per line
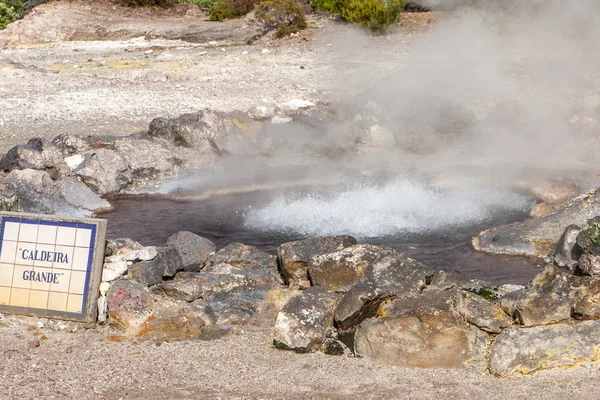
50 266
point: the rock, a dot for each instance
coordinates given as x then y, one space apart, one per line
238 254
482 313
545 301
161 128
262 110
112 271
173 320
37 154
148 159
146 253
102 309
304 322
589 264
567 253
588 239
166 264
445 280
585 295
538 236
421 331
241 305
281 120
255 274
294 105
200 130
294 256
339 270
104 287
80 196
104 171
389 277
377 138
129 305
526 350
74 161
71 145
193 250
33 343
121 245
213 284
180 289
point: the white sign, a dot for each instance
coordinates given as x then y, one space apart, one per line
50 266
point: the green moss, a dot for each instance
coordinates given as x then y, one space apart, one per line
486 292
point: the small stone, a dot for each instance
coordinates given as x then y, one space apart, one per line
33 343
281 120
112 271
149 51
104 286
74 161
245 52
102 309
265 51
144 254
40 325
294 105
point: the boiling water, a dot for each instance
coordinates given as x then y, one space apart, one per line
433 225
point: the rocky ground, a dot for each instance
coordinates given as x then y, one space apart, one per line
135 71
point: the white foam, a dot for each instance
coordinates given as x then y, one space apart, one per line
372 211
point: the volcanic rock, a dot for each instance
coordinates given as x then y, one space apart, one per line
567 252
129 305
526 350
304 322
120 245
339 270
480 312
104 171
193 250
38 154
166 263
389 277
294 256
421 331
237 253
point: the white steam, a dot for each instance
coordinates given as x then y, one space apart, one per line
399 207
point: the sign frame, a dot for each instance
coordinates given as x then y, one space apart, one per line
92 240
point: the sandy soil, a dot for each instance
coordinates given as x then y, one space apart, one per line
116 85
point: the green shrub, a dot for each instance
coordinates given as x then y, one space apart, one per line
229 9
376 15
283 16
202 3
149 3
10 11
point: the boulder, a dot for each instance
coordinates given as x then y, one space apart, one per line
389 277
546 299
480 312
526 350
294 256
161 128
339 270
147 159
104 171
538 236
445 280
585 297
304 322
173 320
37 154
166 264
120 246
262 110
180 289
80 196
193 250
255 274
70 145
241 306
237 253
589 264
210 284
129 305
421 331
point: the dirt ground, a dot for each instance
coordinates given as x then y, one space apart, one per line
134 66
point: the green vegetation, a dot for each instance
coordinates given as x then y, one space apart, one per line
589 237
229 9
282 16
377 15
10 11
202 3
487 293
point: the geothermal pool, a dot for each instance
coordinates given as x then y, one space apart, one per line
433 225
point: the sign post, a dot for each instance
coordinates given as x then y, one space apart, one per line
51 266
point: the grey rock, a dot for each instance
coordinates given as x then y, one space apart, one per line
79 195
585 296
120 245
526 350
256 275
588 239
147 159
339 270
38 154
211 285
70 144
166 263
421 331
589 264
104 171
295 256
567 252
193 250
240 306
304 322
161 128
390 277
538 236
186 290
238 253
445 280
482 313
